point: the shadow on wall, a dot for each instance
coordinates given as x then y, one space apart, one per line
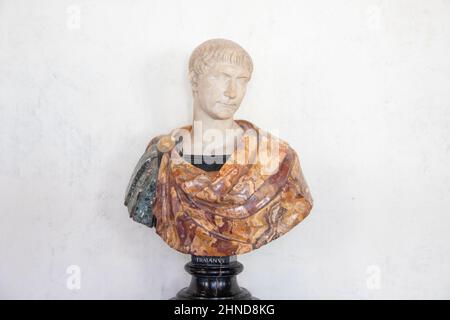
158 267
163 80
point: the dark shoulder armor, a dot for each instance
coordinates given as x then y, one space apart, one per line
141 190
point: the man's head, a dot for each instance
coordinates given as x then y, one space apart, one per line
219 71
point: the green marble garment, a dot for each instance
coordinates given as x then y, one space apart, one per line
141 190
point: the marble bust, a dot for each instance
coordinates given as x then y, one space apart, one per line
218 187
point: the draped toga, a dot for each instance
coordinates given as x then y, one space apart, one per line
258 195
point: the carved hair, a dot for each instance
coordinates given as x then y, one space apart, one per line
217 50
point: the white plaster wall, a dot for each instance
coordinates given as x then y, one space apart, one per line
361 89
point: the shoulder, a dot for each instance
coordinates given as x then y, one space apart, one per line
262 133
153 141
165 142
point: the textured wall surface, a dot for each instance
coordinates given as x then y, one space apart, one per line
359 88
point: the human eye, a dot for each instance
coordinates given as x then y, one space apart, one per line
243 79
219 76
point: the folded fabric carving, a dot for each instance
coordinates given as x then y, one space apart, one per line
258 195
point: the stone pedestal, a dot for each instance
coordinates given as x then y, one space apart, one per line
214 278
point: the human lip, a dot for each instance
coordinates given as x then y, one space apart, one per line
232 105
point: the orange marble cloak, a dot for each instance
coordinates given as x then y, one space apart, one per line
244 205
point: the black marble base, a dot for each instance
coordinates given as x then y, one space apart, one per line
214 278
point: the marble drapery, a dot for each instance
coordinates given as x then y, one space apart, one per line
244 205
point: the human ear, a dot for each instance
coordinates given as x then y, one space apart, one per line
193 78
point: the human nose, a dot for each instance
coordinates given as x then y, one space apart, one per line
231 90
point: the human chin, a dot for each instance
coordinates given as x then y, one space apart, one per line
223 112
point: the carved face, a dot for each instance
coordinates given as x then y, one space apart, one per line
219 91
